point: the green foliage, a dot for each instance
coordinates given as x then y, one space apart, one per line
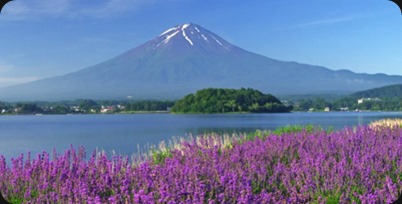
148 105
213 100
15 200
251 136
28 108
159 156
284 130
83 106
60 110
387 98
107 193
384 104
333 199
296 128
392 91
89 105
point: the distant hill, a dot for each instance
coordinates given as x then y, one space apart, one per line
187 58
392 91
327 97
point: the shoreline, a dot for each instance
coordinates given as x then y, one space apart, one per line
227 113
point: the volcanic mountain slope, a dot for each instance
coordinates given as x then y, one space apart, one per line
187 58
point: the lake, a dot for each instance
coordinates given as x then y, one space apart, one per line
124 133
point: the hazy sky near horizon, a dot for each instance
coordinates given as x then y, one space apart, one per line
46 38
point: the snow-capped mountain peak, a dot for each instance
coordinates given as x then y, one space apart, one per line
192 35
187 58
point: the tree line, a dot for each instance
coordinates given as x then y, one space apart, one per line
349 103
208 101
84 106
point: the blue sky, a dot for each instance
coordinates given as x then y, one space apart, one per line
46 38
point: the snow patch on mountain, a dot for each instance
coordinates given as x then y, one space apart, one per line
169 30
168 37
185 26
217 41
205 38
184 34
191 33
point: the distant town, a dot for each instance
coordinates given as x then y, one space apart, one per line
346 104
84 107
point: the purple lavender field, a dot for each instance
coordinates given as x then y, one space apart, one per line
352 165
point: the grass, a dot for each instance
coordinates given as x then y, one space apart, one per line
389 122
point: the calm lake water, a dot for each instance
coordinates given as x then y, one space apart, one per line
124 133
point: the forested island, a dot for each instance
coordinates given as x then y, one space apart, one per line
215 100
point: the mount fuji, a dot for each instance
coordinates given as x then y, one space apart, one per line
187 58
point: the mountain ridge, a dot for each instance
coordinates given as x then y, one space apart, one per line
187 58
388 92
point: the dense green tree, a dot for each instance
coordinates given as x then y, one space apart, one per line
89 106
148 105
213 100
28 108
385 92
59 109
